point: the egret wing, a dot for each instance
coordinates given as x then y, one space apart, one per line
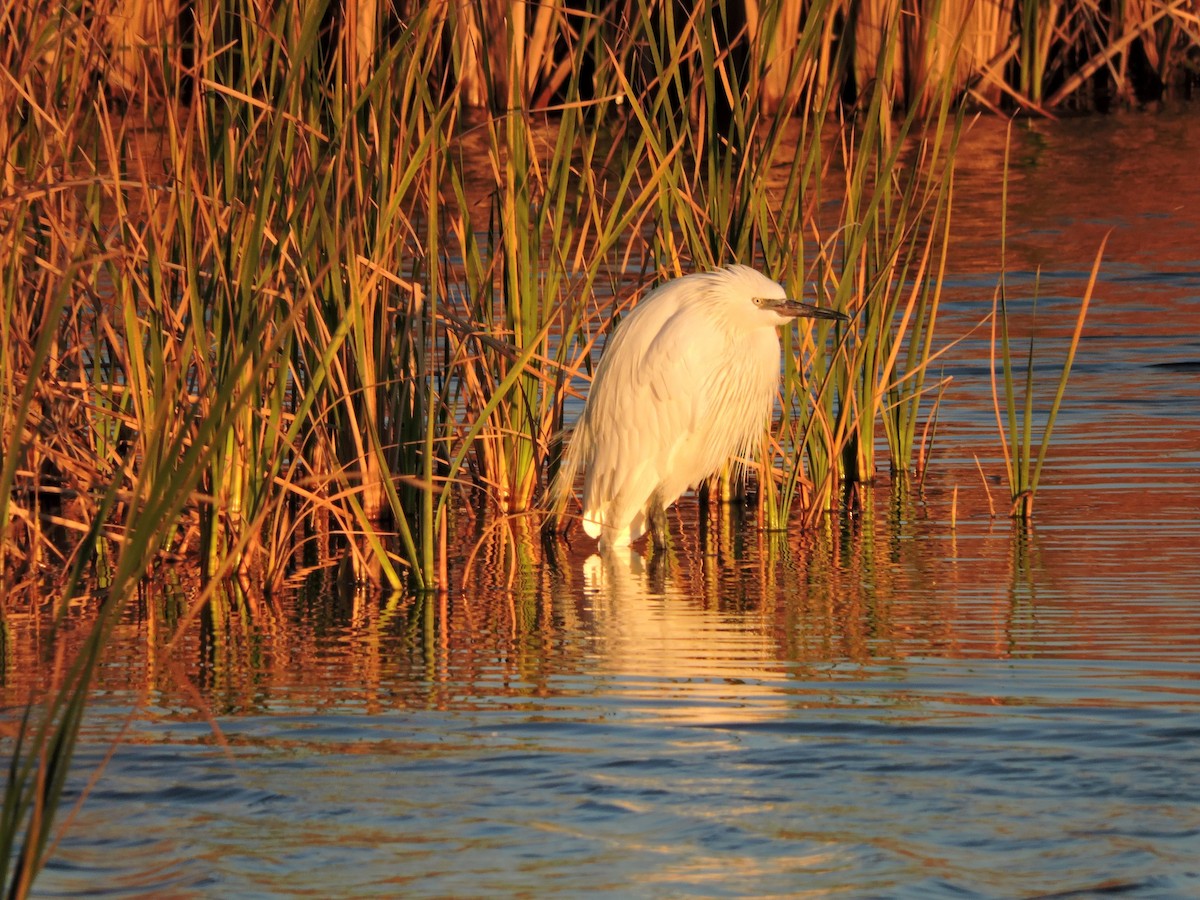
649 401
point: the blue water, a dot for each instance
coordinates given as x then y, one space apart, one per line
917 778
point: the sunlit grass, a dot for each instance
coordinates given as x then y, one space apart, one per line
1023 460
443 277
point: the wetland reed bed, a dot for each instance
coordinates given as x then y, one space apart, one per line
361 304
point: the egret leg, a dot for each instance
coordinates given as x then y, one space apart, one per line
660 529
658 570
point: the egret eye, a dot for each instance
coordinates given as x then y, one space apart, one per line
759 301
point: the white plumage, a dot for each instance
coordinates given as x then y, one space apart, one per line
687 380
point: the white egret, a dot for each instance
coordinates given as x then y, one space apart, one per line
687 380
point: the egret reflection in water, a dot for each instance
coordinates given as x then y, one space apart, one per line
666 652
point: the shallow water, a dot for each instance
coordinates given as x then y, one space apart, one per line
889 708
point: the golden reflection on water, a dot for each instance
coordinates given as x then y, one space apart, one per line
687 633
669 649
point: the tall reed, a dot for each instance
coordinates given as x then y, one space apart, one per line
89 352
1024 470
881 259
1022 460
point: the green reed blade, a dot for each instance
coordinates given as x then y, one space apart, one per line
1076 335
1027 413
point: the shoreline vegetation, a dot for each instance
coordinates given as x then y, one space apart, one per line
288 286
350 271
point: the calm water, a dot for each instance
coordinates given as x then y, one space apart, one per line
889 708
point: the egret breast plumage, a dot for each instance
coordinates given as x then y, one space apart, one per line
687 381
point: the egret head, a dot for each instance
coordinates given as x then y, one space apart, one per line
763 301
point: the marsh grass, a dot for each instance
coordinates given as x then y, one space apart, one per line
148 514
1017 426
882 260
437 282
1023 458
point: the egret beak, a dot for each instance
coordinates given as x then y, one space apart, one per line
796 310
